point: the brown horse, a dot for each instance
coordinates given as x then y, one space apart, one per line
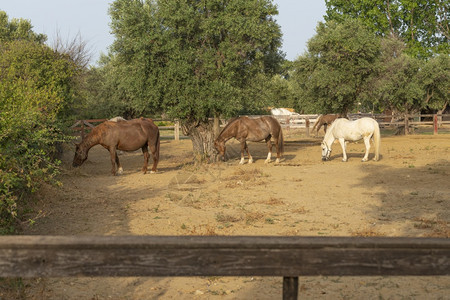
124 135
324 120
246 129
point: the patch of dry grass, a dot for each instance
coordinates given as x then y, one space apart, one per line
225 218
367 232
253 217
242 176
205 229
300 210
273 201
439 228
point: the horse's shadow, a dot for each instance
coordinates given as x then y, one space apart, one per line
352 156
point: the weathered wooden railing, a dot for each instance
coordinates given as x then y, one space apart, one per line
289 257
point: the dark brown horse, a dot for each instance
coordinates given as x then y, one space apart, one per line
246 129
124 135
324 120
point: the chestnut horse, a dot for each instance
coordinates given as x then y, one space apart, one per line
246 129
123 135
324 120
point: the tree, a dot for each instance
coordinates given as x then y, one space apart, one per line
422 24
435 79
195 59
406 84
397 85
332 76
18 29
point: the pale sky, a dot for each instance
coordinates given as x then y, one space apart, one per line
298 20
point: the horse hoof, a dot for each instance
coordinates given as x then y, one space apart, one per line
152 172
277 161
344 160
120 171
267 161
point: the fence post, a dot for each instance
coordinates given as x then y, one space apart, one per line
290 288
435 124
307 126
406 124
82 129
176 130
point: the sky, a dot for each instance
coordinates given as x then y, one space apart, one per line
89 18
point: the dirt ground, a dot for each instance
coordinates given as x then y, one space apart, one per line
406 193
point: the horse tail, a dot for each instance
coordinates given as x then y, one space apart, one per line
281 141
376 139
158 142
317 122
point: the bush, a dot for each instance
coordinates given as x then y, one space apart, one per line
34 92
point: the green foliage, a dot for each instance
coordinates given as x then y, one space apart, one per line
395 85
435 79
332 75
191 59
18 29
34 90
421 24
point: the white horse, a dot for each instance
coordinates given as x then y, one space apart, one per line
345 130
117 119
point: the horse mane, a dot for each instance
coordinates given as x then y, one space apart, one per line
230 121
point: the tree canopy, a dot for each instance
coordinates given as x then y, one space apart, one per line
193 60
422 24
332 75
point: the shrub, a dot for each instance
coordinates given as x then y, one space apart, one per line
34 94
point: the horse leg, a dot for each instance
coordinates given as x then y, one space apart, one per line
146 157
343 145
325 125
277 146
367 143
119 166
250 158
114 159
318 128
243 146
269 147
154 157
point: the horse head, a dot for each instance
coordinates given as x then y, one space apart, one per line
80 156
220 147
326 151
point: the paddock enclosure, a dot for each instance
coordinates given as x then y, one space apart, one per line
405 194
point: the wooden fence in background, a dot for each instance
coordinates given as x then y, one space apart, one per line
405 121
287 257
81 127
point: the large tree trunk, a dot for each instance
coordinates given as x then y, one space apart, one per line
202 137
216 125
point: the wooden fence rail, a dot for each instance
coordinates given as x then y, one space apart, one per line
287 257
297 121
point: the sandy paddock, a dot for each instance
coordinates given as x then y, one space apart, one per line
406 193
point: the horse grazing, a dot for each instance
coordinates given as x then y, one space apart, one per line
345 130
324 120
246 129
123 135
